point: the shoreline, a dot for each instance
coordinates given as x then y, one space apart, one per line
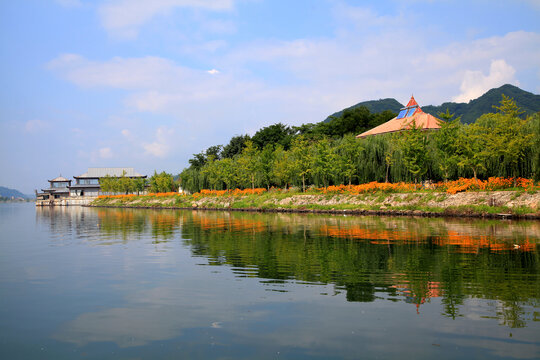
486 204
360 212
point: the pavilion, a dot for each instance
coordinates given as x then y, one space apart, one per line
407 115
58 188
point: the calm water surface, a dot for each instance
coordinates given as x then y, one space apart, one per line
82 283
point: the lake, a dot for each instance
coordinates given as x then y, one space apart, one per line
90 283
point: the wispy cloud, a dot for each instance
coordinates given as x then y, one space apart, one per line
105 153
162 144
35 125
124 17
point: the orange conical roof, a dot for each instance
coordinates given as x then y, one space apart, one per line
407 115
412 102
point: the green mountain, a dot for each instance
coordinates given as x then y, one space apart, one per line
470 111
374 106
8 193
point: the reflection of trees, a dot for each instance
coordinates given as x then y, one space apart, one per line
367 257
370 258
126 222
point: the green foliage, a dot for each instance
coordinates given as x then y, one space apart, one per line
273 135
302 158
374 106
235 146
122 184
498 144
162 183
248 165
446 144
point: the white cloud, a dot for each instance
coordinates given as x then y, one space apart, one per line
126 133
35 125
105 153
121 73
213 72
475 83
162 144
298 81
124 17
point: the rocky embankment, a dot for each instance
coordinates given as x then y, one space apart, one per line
494 204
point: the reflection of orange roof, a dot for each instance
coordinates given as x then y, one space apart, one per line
422 119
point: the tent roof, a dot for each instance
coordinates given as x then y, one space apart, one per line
408 114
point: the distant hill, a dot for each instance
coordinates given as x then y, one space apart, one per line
470 111
8 193
374 106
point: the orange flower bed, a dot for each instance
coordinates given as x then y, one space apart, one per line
492 183
370 187
235 192
121 196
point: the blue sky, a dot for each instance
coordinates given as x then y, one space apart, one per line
146 84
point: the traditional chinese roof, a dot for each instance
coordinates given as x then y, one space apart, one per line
59 179
408 114
115 171
56 190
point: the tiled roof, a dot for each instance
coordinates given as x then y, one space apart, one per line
116 171
60 178
56 190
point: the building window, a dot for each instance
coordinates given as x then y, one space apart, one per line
88 181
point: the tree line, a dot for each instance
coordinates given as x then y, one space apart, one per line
157 183
501 143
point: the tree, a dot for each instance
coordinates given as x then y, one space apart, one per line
472 147
125 184
509 138
302 158
212 172
349 150
162 182
266 161
446 143
235 146
227 172
325 161
248 165
272 135
413 144
283 167
106 183
214 151
140 184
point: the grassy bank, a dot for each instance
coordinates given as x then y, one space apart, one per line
512 203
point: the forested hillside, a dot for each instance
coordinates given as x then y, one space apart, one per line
503 142
8 193
469 112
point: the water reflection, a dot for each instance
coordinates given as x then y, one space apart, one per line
368 258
